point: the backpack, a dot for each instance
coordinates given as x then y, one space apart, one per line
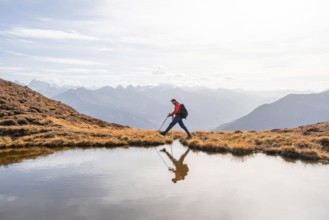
183 111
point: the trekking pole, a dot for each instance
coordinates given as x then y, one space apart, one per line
172 118
163 161
163 123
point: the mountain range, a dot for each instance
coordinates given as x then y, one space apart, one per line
147 106
47 89
290 111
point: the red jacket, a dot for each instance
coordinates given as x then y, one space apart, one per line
177 109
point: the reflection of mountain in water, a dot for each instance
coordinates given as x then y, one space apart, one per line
12 156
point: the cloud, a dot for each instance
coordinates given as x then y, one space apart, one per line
101 49
67 61
76 71
228 43
159 70
11 69
47 34
71 61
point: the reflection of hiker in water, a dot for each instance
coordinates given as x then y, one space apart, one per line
181 169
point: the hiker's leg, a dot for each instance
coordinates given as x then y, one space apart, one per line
181 159
181 123
172 124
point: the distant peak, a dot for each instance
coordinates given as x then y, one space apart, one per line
37 81
19 83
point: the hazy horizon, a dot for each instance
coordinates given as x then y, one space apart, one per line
252 45
196 87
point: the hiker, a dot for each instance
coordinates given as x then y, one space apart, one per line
181 169
177 119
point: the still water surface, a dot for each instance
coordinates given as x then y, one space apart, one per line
135 183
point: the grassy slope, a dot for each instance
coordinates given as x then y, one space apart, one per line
28 119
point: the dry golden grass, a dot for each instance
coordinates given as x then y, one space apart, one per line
31 136
305 142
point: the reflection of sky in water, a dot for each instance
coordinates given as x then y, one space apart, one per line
135 184
63 160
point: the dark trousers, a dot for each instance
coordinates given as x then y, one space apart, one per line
178 120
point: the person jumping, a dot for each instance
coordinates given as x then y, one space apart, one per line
177 119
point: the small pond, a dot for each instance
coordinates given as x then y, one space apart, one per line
144 183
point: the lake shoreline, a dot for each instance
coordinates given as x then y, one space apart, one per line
13 153
307 143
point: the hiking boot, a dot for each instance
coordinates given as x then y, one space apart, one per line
189 137
163 150
163 133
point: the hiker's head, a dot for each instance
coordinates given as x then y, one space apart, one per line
173 101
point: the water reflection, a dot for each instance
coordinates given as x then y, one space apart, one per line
103 184
12 156
180 169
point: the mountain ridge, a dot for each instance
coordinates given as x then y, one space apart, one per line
290 111
151 104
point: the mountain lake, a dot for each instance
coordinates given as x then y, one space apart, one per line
146 183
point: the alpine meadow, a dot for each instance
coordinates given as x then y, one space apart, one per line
177 109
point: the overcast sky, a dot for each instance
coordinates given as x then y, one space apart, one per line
250 44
